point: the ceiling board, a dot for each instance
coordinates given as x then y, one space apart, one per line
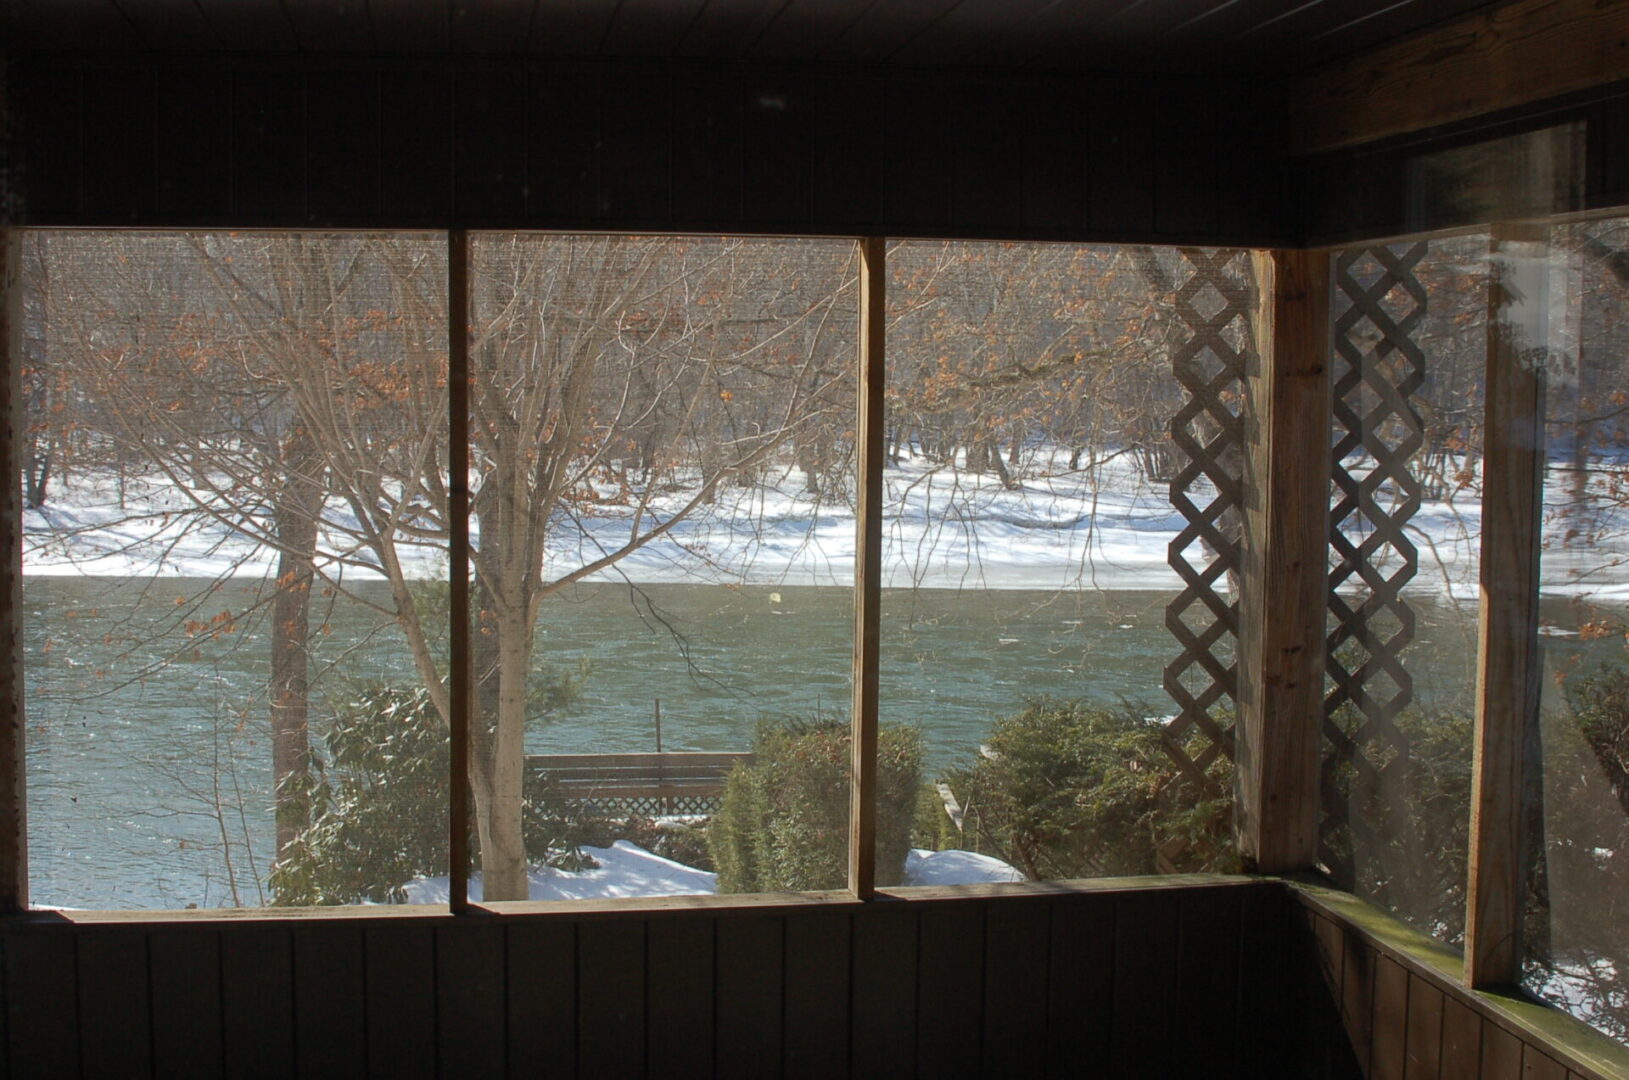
74 24
571 27
412 26
493 26
331 25
171 25
726 28
650 27
885 28
967 28
1046 33
802 28
1277 36
250 25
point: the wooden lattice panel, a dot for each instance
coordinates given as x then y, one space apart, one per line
1379 304
1210 362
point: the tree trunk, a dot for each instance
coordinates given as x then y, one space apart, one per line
498 763
295 516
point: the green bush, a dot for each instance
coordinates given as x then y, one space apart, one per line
1068 789
783 821
378 801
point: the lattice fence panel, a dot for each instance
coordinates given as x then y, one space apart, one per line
611 807
1378 430
1210 361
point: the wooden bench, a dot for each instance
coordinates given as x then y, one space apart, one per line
667 783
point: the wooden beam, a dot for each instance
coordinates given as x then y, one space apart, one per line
862 824
1515 54
1286 544
13 781
460 680
1508 664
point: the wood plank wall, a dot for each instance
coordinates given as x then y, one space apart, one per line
1134 982
660 146
1406 1015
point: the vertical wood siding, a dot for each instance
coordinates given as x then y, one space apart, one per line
1163 979
665 146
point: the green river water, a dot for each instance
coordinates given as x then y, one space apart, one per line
138 731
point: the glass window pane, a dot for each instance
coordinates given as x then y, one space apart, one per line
1027 589
234 568
663 554
1410 337
1576 933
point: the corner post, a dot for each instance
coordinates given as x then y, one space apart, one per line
1285 564
459 679
1508 663
13 781
862 846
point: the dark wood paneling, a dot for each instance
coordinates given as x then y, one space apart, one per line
778 165
611 999
1187 158
636 146
116 1035
399 965
192 146
1145 984
257 1001
414 139
1423 1050
745 148
989 158
41 1006
849 147
1057 138
950 992
563 152
679 1009
817 992
1207 974
1017 967
542 999
918 155
707 148
343 155
1120 157
119 170
336 26
1501 1054
1080 981
1357 996
1388 1056
1266 949
268 144
470 998
649 27
751 965
187 1002
329 990
489 129
1461 1040
883 1020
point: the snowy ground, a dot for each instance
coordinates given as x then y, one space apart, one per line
1105 528
629 870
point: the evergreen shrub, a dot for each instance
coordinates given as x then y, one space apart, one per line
783 822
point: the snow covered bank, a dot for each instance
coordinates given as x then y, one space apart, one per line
943 527
629 870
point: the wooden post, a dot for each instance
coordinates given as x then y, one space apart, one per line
1285 557
459 662
13 780
862 824
1507 678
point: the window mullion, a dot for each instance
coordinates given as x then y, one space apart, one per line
13 790
458 566
862 868
1508 662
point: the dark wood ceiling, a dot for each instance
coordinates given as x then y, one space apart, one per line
1271 36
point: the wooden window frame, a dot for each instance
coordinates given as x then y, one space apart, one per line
1281 656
